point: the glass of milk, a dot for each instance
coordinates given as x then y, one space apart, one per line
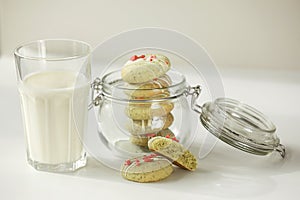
53 82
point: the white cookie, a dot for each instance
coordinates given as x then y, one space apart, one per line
148 168
142 111
138 127
172 149
142 140
144 68
156 88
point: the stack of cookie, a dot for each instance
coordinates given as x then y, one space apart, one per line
150 118
147 80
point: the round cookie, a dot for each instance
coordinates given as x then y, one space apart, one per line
144 68
174 151
142 140
142 111
148 168
137 127
156 88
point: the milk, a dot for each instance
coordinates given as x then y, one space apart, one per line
54 121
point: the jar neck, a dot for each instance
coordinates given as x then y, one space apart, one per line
171 86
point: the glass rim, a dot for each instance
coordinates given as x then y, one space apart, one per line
107 88
177 84
25 44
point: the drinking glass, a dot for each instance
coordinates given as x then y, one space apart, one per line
53 81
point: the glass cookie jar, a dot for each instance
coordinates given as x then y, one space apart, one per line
127 119
126 116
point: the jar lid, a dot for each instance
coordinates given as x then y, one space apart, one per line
241 126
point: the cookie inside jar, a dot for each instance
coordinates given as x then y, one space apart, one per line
132 113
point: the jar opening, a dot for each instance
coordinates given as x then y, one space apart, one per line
169 86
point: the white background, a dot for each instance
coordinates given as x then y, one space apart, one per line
256 45
237 33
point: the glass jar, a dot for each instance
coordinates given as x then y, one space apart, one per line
121 117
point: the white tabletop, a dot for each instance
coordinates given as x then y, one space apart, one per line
225 173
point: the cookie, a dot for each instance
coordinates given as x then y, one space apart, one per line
142 111
148 168
154 89
173 150
166 133
144 68
137 127
142 140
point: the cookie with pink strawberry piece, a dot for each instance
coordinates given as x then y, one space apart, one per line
173 150
147 168
144 68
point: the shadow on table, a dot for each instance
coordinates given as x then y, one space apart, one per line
224 173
